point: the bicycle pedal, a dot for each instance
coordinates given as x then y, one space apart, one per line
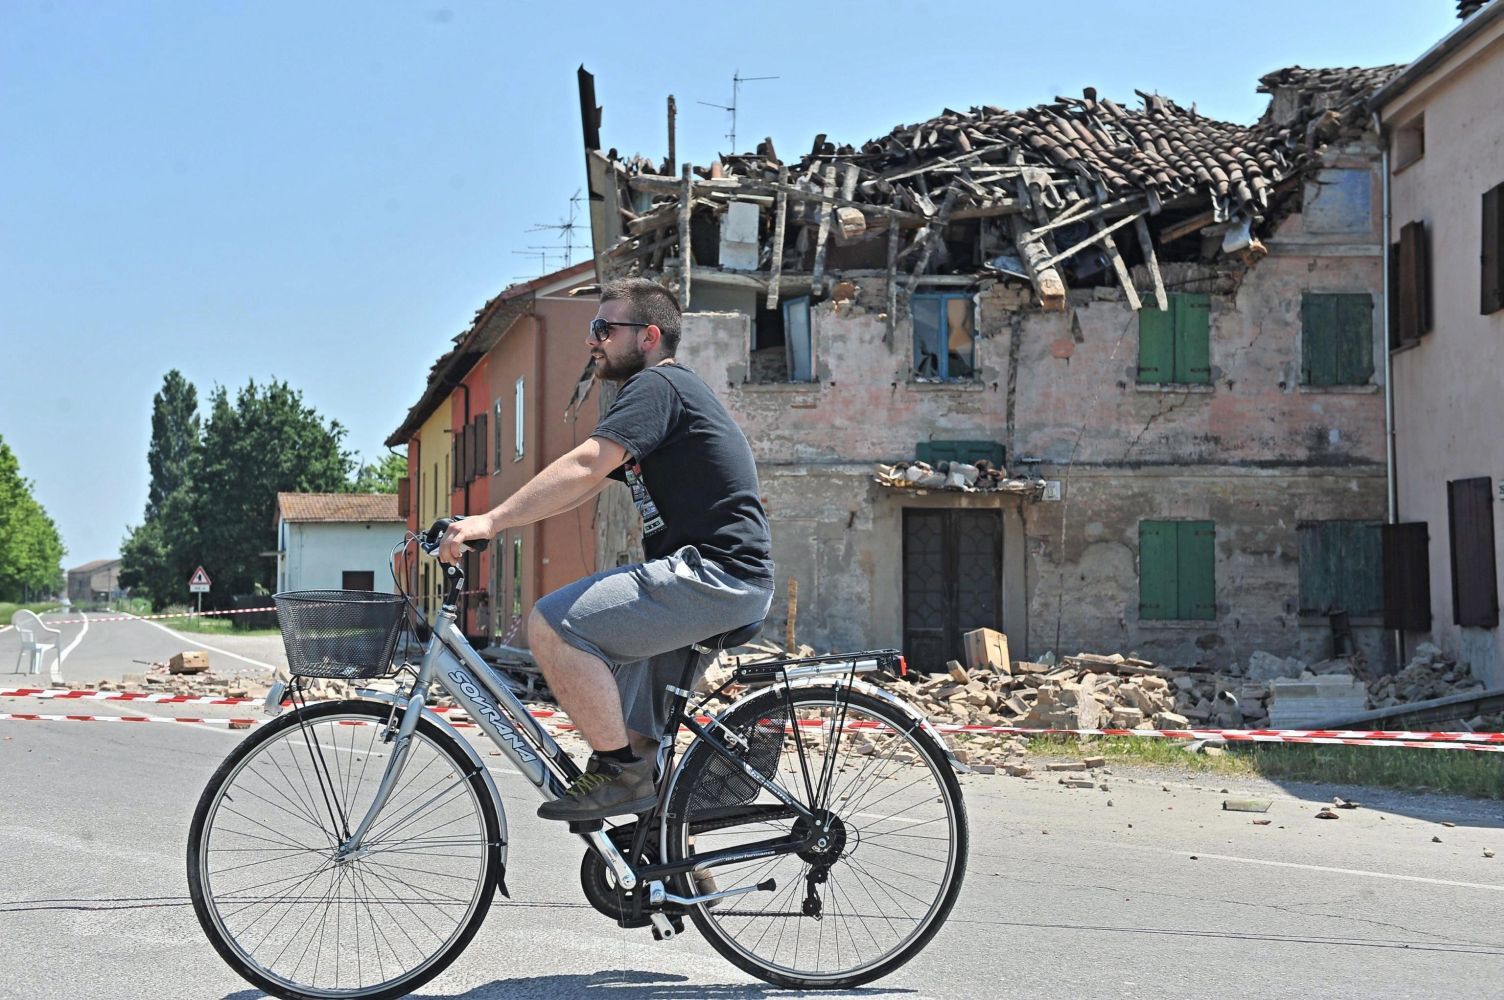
585 825
663 928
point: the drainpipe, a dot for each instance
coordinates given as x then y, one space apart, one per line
540 378
1391 483
464 607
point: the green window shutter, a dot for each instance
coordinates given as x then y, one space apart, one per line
1320 549
1156 344
1156 571
1354 363
1195 575
1318 339
959 451
1193 350
1363 569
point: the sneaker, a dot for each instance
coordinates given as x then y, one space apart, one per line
613 789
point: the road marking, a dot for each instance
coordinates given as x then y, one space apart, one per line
1320 868
74 644
204 645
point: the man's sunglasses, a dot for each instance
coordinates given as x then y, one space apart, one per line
600 329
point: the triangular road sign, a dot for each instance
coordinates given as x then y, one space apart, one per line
199 578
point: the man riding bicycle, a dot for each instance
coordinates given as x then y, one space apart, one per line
708 566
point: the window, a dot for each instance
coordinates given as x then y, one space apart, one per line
1475 586
1174 344
478 445
1493 250
404 497
435 478
519 412
358 579
944 335
1175 570
1409 142
932 452
782 350
496 437
1407 577
498 587
517 577
1410 286
1336 333
1340 567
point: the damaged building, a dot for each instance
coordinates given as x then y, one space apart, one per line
1101 376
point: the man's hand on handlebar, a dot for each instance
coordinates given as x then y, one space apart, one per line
473 532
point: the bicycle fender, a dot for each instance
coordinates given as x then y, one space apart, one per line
499 850
876 692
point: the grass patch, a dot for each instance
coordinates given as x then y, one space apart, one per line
1453 772
1138 750
215 626
8 608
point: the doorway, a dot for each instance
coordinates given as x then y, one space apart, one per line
952 572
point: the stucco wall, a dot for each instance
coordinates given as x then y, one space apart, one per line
1449 407
318 553
1255 451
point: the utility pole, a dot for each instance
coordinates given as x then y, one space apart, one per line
736 92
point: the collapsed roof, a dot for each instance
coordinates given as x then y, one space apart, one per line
1043 194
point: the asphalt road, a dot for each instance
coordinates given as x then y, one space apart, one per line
98 646
1067 896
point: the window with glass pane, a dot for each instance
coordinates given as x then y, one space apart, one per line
944 335
517 577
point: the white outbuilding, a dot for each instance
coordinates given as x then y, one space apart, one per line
336 541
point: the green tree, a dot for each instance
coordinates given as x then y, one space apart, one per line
380 476
264 442
31 551
174 436
153 555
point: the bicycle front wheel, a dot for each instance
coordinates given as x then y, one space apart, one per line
298 921
890 846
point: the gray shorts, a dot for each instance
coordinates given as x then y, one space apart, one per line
641 620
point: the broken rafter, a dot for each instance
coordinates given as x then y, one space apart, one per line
1074 214
1034 254
780 222
1146 243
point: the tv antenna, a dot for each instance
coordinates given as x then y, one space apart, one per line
542 253
736 92
566 227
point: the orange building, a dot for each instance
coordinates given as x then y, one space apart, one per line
507 387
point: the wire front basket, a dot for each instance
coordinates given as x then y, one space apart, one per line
344 634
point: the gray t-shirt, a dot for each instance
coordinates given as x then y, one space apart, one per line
691 471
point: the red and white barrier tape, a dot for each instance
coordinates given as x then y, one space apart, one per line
152 618
1392 738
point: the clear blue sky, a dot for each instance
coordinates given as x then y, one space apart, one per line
326 192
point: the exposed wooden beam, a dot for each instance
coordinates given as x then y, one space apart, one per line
1097 237
780 223
1187 226
817 279
686 249
936 231
1146 244
893 241
1125 278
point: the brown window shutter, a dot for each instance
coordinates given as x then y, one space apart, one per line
404 497
1407 577
1493 250
1475 584
480 444
1410 310
454 461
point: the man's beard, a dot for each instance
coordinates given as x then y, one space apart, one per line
622 369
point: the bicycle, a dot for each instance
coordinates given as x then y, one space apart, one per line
813 830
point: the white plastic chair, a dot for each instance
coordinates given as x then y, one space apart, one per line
33 632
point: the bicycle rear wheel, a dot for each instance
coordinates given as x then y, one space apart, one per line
894 835
297 922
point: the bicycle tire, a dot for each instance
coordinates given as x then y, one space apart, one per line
201 830
723 791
